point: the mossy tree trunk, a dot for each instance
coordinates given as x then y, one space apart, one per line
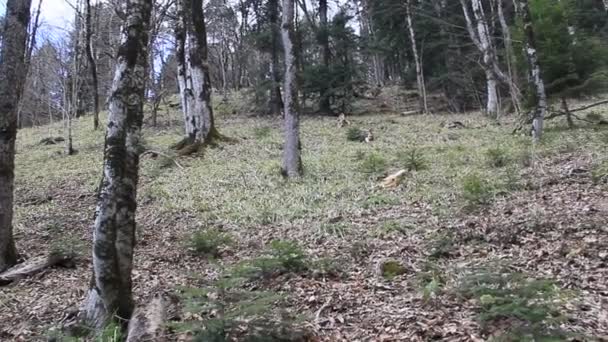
110 291
12 63
292 162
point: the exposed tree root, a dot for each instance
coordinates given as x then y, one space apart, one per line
188 146
148 322
35 265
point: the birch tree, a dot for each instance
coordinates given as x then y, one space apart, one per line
480 35
534 71
292 162
193 71
110 291
417 61
12 63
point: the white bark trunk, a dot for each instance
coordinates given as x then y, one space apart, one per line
114 230
419 71
292 162
193 71
538 84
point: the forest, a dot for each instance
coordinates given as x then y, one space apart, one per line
304 170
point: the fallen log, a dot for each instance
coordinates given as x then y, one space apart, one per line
393 180
35 265
148 322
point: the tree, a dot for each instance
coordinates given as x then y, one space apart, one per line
323 37
292 162
193 71
535 76
110 292
12 63
419 72
92 63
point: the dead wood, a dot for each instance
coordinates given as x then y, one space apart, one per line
35 265
51 141
148 321
393 180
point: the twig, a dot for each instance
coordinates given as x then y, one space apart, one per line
589 106
164 155
318 314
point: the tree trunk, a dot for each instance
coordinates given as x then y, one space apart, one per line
11 77
534 70
276 102
110 292
292 162
182 69
193 74
419 71
482 39
511 68
324 103
92 64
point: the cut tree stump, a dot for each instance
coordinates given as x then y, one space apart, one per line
35 265
148 322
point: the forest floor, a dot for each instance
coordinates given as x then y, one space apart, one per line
488 236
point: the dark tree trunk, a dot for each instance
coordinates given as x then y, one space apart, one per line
114 231
11 78
324 98
276 102
92 64
292 162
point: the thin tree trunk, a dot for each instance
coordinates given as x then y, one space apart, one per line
292 162
110 292
535 74
12 62
30 43
182 69
511 68
92 64
276 102
324 99
419 72
482 39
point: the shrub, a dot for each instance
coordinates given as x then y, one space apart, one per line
373 163
355 134
413 160
497 157
442 246
209 242
476 190
528 303
290 255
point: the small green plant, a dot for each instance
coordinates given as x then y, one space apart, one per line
391 269
442 246
224 311
209 242
476 190
393 226
529 303
262 132
497 157
413 160
67 247
360 250
355 134
373 163
594 117
430 280
290 255
328 268
111 333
